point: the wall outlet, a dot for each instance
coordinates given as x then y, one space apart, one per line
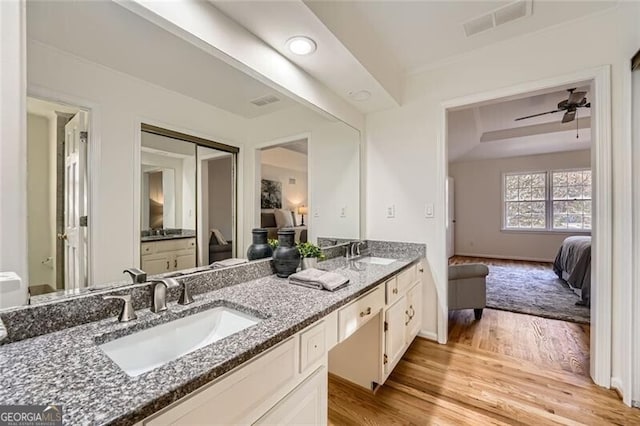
391 211
343 211
428 210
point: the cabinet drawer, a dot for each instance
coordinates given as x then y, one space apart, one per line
392 291
147 248
173 245
406 279
312 346
239 397
353 316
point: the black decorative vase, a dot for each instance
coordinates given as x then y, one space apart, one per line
260 247
286 257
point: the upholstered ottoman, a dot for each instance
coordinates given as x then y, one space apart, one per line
468 287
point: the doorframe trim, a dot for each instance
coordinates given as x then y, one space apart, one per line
93 161
601 312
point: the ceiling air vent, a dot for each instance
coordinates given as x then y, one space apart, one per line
512 11
516 10
265 100
478 25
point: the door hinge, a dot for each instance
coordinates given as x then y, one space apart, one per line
385 359
84 220
386 326
84 136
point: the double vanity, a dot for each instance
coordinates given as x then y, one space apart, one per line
250 348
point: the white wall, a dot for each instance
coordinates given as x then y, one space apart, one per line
334 180
479 209
402 161
13 147
118 104
40 234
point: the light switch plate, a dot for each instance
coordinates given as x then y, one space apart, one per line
316 213
343 211
391 211
428 210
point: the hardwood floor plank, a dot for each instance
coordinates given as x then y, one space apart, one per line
506 369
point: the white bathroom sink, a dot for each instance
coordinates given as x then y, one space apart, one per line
145 350
376 260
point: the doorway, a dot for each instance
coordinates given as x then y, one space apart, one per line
57 196
284 188
600 339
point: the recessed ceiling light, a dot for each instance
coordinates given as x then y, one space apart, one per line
301 45
360 95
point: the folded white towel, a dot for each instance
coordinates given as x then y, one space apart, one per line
230 262
315 278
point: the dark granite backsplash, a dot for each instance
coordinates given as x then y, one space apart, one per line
29 321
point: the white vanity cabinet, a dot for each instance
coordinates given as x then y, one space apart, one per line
285 385
158 257
369 355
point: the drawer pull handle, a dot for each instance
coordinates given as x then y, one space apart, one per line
395 291
167 264
175 263
365 313
408 318
421 269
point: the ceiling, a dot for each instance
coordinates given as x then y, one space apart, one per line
423 33
489 130
372 45
300 146
108 34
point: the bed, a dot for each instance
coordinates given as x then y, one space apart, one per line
573 265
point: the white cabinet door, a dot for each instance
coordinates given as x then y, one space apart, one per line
305 405
414 309
184 260
156 264
395 318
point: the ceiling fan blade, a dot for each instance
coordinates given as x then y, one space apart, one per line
569 116
537 115
576 97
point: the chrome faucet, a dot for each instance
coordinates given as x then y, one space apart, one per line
355 248
127 313
159 299
137 275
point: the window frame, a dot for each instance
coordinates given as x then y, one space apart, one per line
548 229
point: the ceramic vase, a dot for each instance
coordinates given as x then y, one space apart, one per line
286 257
260 247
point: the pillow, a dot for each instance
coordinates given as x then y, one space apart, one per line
268 220
283 218
218 235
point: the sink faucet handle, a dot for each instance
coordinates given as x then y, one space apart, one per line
138 276
127 313
185 296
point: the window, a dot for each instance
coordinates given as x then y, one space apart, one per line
571 199
558 200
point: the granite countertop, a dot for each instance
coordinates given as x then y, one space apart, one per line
67 367
185 233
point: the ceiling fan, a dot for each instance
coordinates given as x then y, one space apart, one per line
570 106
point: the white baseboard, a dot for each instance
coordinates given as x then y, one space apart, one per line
430 335
498 256
616 383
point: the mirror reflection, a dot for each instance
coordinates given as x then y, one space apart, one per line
164 201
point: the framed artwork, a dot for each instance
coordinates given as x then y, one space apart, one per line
271 194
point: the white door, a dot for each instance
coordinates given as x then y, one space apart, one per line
75 205
394 337
451 221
